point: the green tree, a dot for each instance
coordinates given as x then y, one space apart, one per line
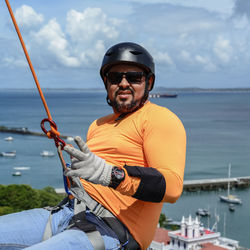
14 198
162 220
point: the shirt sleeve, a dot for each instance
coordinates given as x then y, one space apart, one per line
164 144
165 150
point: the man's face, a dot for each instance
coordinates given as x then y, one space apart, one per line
125 93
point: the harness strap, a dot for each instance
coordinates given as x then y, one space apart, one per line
79 221
96 240
48 229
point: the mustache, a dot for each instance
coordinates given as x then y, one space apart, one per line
120 90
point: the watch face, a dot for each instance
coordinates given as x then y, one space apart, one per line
118 173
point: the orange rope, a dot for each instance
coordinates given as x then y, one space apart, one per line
54 131
28 59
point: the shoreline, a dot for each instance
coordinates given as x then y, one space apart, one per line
160 89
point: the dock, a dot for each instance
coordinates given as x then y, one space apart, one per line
206 184
24 131
216 184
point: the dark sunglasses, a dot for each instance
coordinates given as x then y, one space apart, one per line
132 77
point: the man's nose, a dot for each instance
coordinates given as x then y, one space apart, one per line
124 83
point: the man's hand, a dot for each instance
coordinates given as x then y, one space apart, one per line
87 165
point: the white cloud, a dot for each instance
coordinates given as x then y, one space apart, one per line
186 37
88 32
53 39
81 43
163 58
27 17
12 62
206 63
92 22
223 49
93 54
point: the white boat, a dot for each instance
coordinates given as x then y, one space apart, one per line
202 212
231 207
21 168
17 173
230 198
8 154
47 153
9 138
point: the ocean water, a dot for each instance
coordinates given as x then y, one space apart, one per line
218 133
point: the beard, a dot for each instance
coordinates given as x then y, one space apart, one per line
122 106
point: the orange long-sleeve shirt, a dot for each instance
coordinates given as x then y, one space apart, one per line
150 137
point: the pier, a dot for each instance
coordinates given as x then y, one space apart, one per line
216 184
206 184
24 131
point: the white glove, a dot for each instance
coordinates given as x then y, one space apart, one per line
87 165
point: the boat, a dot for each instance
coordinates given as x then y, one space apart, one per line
231 207
9 138
202 212
46 153
17 173
8 154
168 95
163 95
230 198
21 168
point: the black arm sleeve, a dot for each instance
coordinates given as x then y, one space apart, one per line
152 186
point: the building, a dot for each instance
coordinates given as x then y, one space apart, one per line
191 236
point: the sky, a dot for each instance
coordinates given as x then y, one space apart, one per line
194 43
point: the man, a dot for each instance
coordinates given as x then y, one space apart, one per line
132 163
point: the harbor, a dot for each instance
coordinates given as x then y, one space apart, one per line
214 141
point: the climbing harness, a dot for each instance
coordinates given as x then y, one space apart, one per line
73 186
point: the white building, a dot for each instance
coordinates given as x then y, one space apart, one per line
192 236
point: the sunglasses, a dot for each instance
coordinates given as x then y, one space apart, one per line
132 77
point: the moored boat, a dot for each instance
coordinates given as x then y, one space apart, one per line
231 207
21 168
8 154
46 153
202 212
230 198
17 173
166 95
9 138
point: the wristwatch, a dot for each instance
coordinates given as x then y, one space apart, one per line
117 176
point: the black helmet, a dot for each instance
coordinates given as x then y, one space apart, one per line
128 53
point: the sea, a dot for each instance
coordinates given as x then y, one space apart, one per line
218 134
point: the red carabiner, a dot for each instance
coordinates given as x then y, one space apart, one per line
53 133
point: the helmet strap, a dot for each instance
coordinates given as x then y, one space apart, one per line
109 101
146 90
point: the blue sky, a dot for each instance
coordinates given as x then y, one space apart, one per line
195 43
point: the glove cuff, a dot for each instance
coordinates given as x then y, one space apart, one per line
106 174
